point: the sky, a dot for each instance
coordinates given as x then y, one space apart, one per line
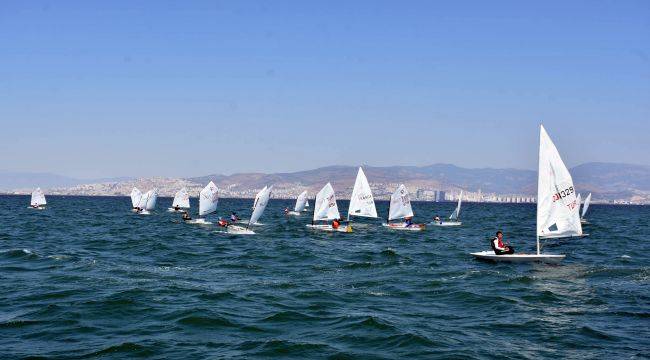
172 88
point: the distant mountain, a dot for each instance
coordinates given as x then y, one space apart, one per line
612 180
25 180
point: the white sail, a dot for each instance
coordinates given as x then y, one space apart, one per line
38 197
361 202
208 199
586 205
301 201
307 203
400 204
144 198
151 200
182 199
579 201
557 206
325 207
261 200
135 197
456 214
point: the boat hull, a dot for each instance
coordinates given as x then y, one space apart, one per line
293 213
489 255
238 230
199 222
414 227
344 229
446 223
563 237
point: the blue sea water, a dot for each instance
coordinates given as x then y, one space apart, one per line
87 278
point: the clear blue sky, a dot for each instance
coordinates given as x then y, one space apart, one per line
173 88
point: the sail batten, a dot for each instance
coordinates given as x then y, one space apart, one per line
362 202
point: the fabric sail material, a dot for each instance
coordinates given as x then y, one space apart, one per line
456 214
400 204
262 199
586 205
38 197
208 199
325 207
182 199
301 201
557 206
151 200
361 202
135 197
142 202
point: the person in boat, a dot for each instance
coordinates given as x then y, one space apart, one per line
137 209
176 208
286 211
186 216
234 217
223 223
336 223
436 218
408 221
499 247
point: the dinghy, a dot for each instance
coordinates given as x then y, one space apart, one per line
152 197
454 218
208 200
400 208
38 199
135 198
362 203
142 203
301 203
556 204
181 201
585 207
326 209
261 200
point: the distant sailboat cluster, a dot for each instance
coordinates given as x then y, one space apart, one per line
558 208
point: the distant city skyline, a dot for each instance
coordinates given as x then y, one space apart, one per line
93 90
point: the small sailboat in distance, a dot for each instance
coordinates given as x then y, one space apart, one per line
208 200
301 203
38 199
261 200
362 202
325 209
181 201
306 205
454 218
141 208
135 198
585 207
400 208
556 204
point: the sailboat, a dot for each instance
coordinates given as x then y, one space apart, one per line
325 209
38 199
135 198
151 200
208 200
362 202
301 203
181 201
585 207
454 218
306 206
556 204
400 208
141 208
261 200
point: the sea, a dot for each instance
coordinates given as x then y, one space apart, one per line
86 278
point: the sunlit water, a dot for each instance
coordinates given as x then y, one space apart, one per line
86 278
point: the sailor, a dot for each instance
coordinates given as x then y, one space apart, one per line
408 221
499 247
186 216
234 217
223 223
436 218
336 223
286 211
176 208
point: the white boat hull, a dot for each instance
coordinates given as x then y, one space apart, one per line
293 213
446 223
144 212
238 230
414 227
518 258
344 229
174 210
36 208
199 221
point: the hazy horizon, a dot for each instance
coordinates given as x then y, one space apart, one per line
121 89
